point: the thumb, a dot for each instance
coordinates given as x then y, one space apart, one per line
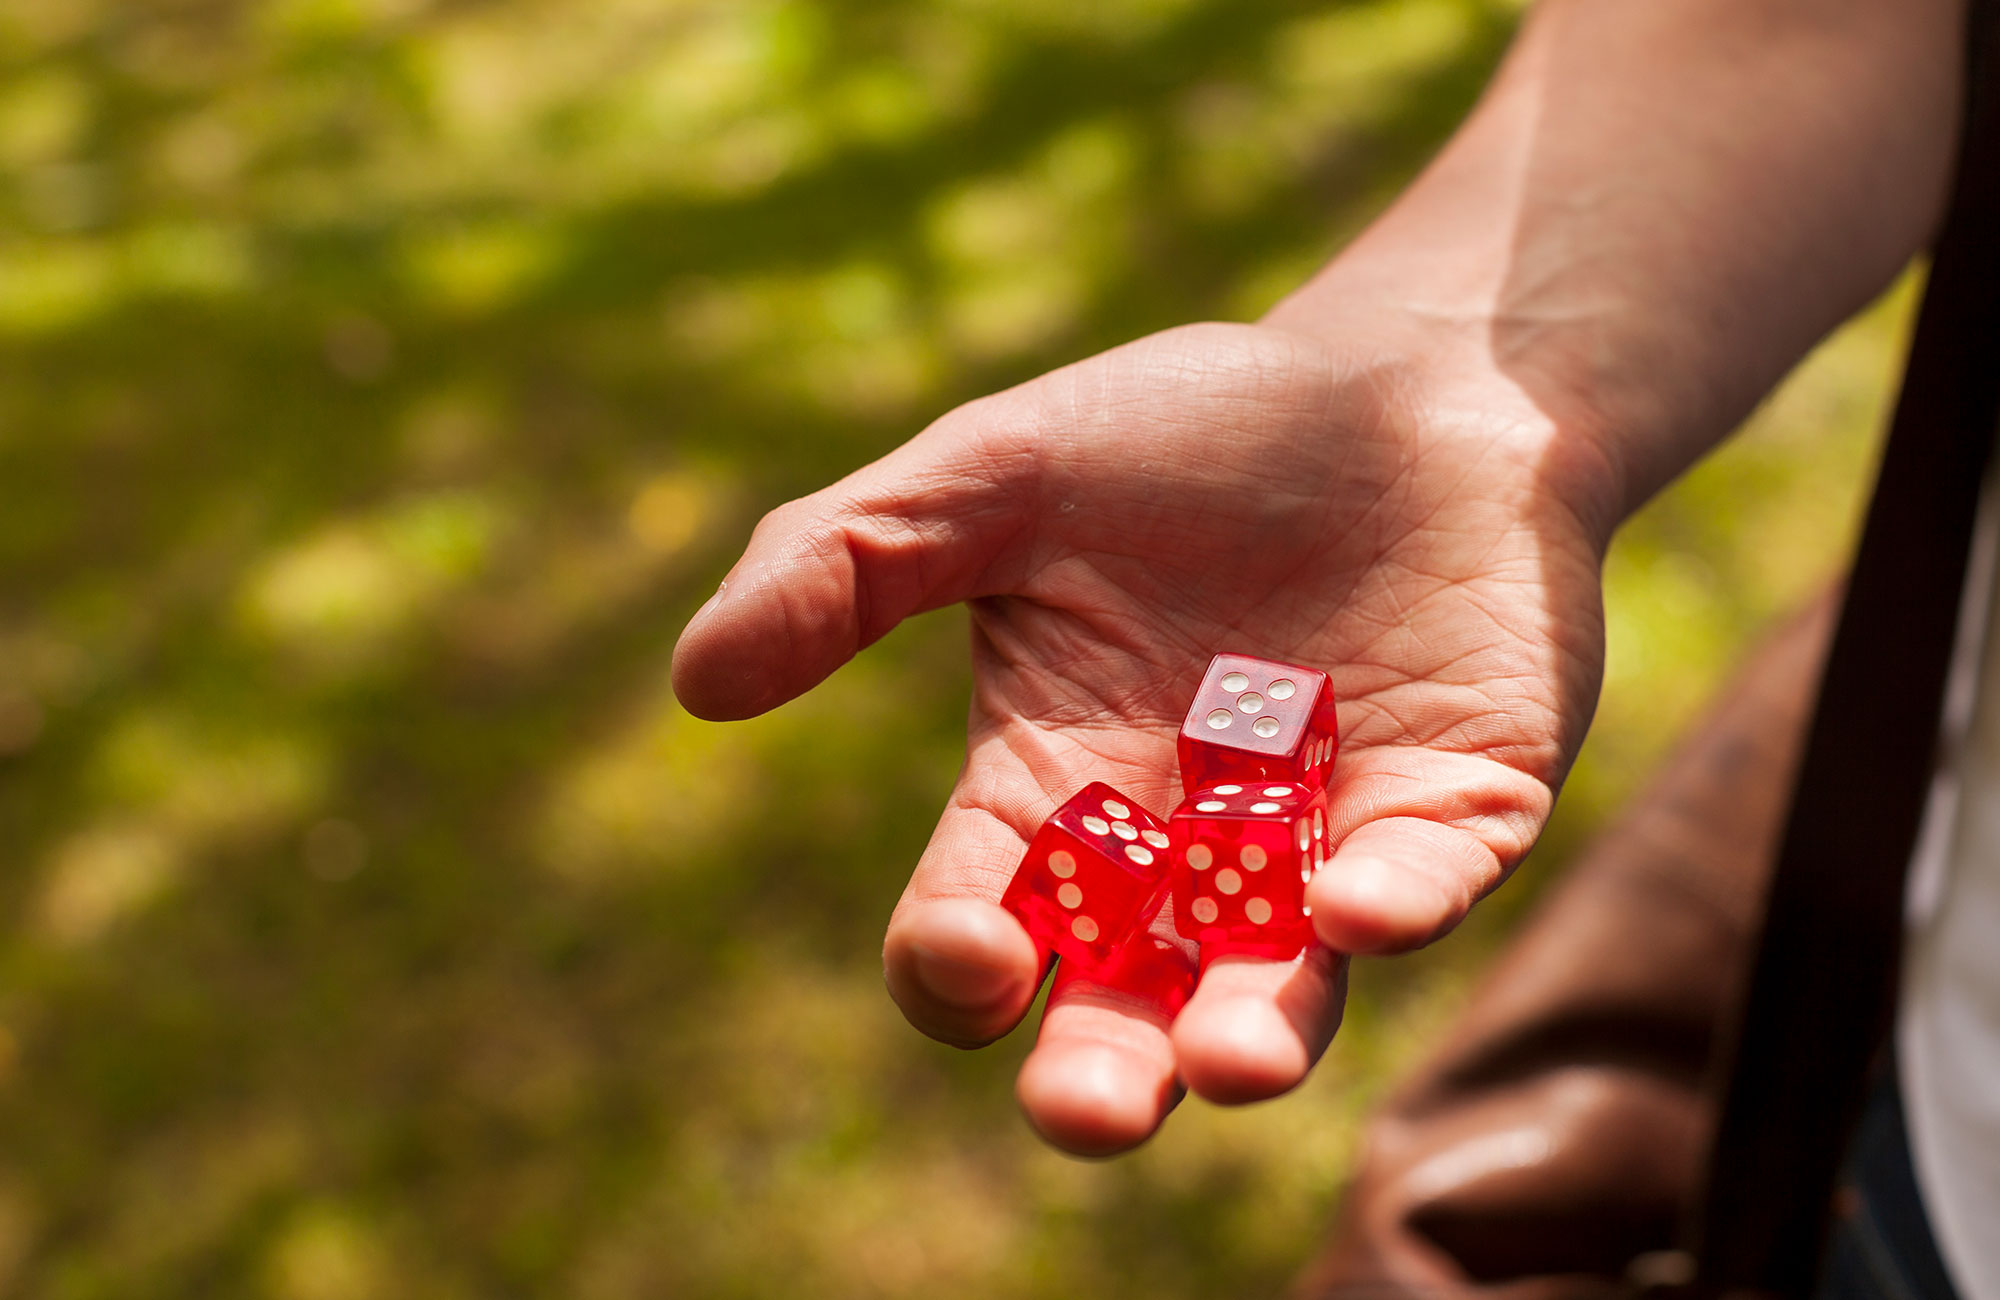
933 523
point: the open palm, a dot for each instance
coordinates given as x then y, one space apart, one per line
1425 541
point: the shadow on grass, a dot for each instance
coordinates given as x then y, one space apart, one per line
380 926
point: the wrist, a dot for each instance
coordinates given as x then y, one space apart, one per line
1655 211
1437 361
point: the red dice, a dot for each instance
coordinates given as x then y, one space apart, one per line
1241 858
1153 972
1256 720
1094 873
1256 752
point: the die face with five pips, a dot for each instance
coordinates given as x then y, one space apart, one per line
1241 858
1255 720
1094 874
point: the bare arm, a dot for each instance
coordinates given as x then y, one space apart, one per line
1659 207
1407 474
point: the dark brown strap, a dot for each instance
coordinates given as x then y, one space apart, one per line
1823 986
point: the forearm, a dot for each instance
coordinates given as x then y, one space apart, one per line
1658 207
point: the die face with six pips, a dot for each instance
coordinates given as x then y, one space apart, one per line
1257 720
1242 856
1093 875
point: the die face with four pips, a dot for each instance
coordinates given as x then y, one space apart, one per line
1094 873
1256 720
1242 855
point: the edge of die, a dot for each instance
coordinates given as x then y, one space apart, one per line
1305 791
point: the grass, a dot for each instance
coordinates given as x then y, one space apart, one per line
382 382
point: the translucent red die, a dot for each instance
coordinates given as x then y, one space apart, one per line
1158 974
1258 720
1093 874
1242 855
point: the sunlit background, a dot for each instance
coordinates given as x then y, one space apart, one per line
382 383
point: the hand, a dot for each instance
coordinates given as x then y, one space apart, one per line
1420 531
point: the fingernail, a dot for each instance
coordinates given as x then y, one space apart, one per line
956 982
710 603
1394 896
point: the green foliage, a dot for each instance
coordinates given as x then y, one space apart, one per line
383 382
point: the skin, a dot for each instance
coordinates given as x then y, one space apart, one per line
1406 474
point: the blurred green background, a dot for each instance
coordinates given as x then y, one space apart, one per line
382 382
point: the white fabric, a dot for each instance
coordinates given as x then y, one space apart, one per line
1948 1028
